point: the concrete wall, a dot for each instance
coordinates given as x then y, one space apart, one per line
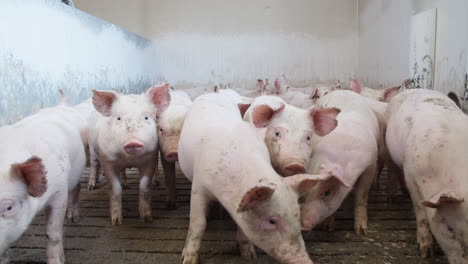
210 41
384 41
46 45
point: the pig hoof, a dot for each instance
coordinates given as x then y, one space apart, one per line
170 204
247 251
189 259
146 218
360 231
73 218
155 182
91 186
426 251
124 186
116 220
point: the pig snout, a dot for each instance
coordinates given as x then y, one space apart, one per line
172 156
133 147
293 168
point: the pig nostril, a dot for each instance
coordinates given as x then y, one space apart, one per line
133 147
172 156
293 169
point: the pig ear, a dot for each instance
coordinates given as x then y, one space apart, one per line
103 101
443 198
260 84
33 174
336 172
324 119
262 114
313 94
302 183
355 85
160 97
255 196
389 93
243 108
337 86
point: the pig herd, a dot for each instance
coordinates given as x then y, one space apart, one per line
280 160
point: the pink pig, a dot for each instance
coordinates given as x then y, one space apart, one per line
41 162
383 95
351 148
227 161
124 135
426 137
289 131
170 125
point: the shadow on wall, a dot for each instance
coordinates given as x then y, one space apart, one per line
46 45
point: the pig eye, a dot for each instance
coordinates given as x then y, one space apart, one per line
146 118
118 118
277 133
7 208
161 129
326 193
308 137
273 221
325 93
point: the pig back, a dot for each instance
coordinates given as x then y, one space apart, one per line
208 113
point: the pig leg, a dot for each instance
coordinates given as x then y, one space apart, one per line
247 249
123 179
198 210
395 177
55 216
113 178
380 166
73 212
155 182
95 165
361 195
144 204
170 175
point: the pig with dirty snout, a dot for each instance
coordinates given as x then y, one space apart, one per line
170 125
290 130
123 135
40 170
426 137
227 161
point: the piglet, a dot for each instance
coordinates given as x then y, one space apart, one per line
426 137
40 170
352 147
227 161
122 135
170 124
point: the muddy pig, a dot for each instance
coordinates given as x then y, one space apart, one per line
426 137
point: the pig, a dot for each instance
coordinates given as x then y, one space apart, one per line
395 175
41 171
170 124
383 95
313 91
123 134
426 137
261 89
289 130
352 148
227 160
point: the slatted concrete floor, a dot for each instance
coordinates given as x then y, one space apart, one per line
391 237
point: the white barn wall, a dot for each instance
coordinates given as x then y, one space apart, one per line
211 41
383 41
